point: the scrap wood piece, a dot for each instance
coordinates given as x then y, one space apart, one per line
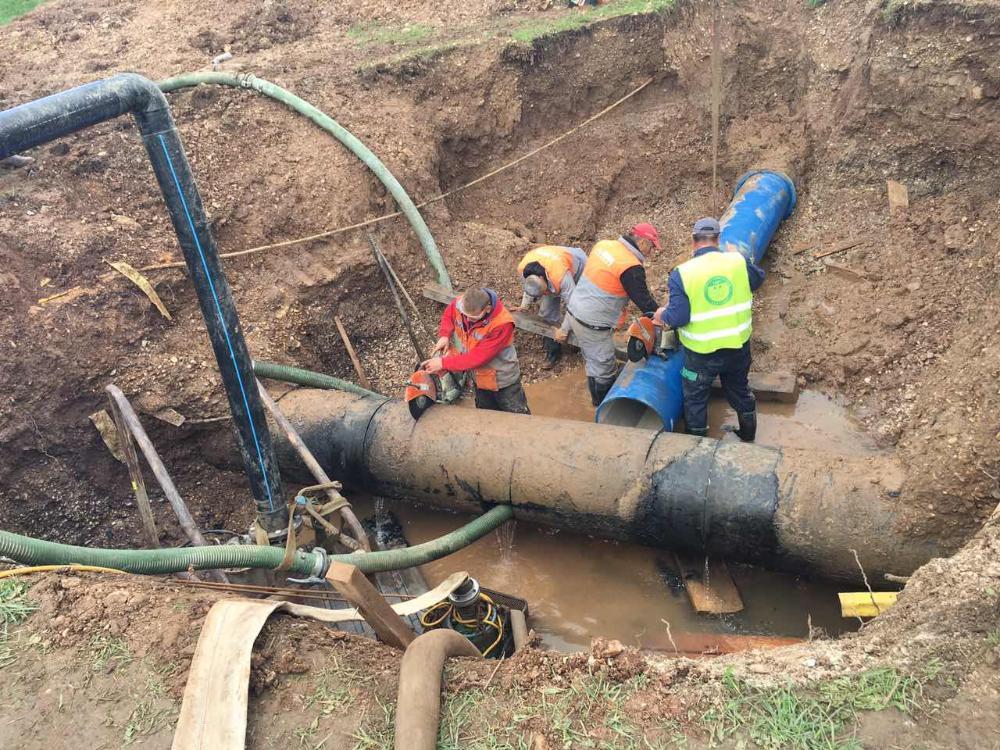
771 386
899 197
387 624
143 283
866 603
842 247
362 378
109 433
851 274
718 594
213 712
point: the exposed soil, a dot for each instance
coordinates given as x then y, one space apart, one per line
844 97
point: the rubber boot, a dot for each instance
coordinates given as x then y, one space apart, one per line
600 391
553 351
748 426
592 387
698 431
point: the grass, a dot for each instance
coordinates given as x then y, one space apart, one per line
145 719
108 652
377 733
15 606
993 638
11 9
578 18
818 719
373 33
815 3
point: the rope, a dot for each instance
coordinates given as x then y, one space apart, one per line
429 201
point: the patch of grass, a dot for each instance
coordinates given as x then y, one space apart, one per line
145 719
330 698
377 733
993 638
800 719
15 606
892 11
107 651
815 3
576 18
11 9
369 32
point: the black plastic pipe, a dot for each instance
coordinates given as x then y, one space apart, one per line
44 120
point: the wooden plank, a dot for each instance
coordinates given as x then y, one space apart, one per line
135 473
388 626
851 274
866 603
899 197
714 593
771 386
842 247
362 378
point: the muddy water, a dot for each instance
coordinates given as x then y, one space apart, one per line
815 422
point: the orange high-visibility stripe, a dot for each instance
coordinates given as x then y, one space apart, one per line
486 376
607 261
557 262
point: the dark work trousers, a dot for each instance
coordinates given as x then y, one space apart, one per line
510 399
732 366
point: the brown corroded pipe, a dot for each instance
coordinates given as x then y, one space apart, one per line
792 509
418 704
519 628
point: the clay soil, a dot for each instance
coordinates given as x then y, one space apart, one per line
903 327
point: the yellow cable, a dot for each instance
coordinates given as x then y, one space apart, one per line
65 568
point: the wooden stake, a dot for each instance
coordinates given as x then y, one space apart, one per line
362 378
135 473
388 626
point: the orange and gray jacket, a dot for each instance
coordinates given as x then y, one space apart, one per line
502 369
563 268
613 273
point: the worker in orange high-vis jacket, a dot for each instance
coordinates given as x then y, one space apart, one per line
485 332
549 275
614 273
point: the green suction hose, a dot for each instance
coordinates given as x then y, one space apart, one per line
29 551
308 378
354 145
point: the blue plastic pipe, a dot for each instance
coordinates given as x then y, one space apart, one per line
762 200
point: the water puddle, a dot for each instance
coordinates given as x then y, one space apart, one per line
814 422
579 587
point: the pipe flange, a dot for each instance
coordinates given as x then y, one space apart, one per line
466 594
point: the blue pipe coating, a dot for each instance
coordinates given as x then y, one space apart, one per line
762 200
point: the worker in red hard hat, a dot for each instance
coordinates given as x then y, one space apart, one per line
485 332
614 274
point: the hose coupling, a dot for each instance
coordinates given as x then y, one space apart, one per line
318 574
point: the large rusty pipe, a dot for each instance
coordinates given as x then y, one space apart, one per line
779 508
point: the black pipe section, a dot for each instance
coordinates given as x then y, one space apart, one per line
792 509
44 120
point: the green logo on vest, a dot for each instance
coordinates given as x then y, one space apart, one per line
718 290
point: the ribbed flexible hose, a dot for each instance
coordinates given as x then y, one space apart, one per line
297 375
29 551
353 144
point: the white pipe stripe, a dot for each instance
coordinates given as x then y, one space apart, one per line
721 312
714 334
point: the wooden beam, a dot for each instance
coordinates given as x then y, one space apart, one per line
388 626
771 386
866 603
362 378
135 474
714 593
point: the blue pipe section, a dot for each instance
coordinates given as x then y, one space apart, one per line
761 201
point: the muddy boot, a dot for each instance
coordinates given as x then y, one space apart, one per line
748 426
553 351
698 431
600 391
591 386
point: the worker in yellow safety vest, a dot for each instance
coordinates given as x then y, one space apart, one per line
549 274
614 273
711 296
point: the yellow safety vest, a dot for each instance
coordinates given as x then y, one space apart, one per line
718 288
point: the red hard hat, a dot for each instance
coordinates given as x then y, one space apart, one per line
648 232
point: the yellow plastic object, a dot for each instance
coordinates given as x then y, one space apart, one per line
65 568
866 603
